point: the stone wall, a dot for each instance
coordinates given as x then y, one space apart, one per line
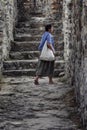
75 37
73 51
1 34
7 22
83 72
8 25
67 30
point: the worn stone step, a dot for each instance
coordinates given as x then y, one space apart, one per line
31 55
30 37
27 64
37 21
31 31
33 46
24 46
27 37
28 72
24 55
36 31
30 25
27 27
37 14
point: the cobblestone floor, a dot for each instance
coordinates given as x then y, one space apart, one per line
24 106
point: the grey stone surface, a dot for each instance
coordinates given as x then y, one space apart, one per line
72 40
75 33
24 106
8 18
7 22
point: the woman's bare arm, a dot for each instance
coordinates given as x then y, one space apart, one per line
50 47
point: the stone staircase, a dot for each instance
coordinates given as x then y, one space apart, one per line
24 52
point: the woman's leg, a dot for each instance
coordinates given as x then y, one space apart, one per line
51 80
36 82
51 71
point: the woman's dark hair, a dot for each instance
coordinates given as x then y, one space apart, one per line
47 27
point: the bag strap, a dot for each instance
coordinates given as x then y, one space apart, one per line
43 42
46 38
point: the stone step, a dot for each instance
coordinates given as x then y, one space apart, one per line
32 46
24 55
29 72
28 16
30 37
36 31
31 31
27 37
28 64
37 21
24 46
40 31
37 24
31 55
37 13
30 25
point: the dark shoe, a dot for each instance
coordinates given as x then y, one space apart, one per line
36 82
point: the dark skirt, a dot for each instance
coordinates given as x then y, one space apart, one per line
45 68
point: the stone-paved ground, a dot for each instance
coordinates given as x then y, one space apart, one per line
24 106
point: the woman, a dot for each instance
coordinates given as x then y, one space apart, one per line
46 68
